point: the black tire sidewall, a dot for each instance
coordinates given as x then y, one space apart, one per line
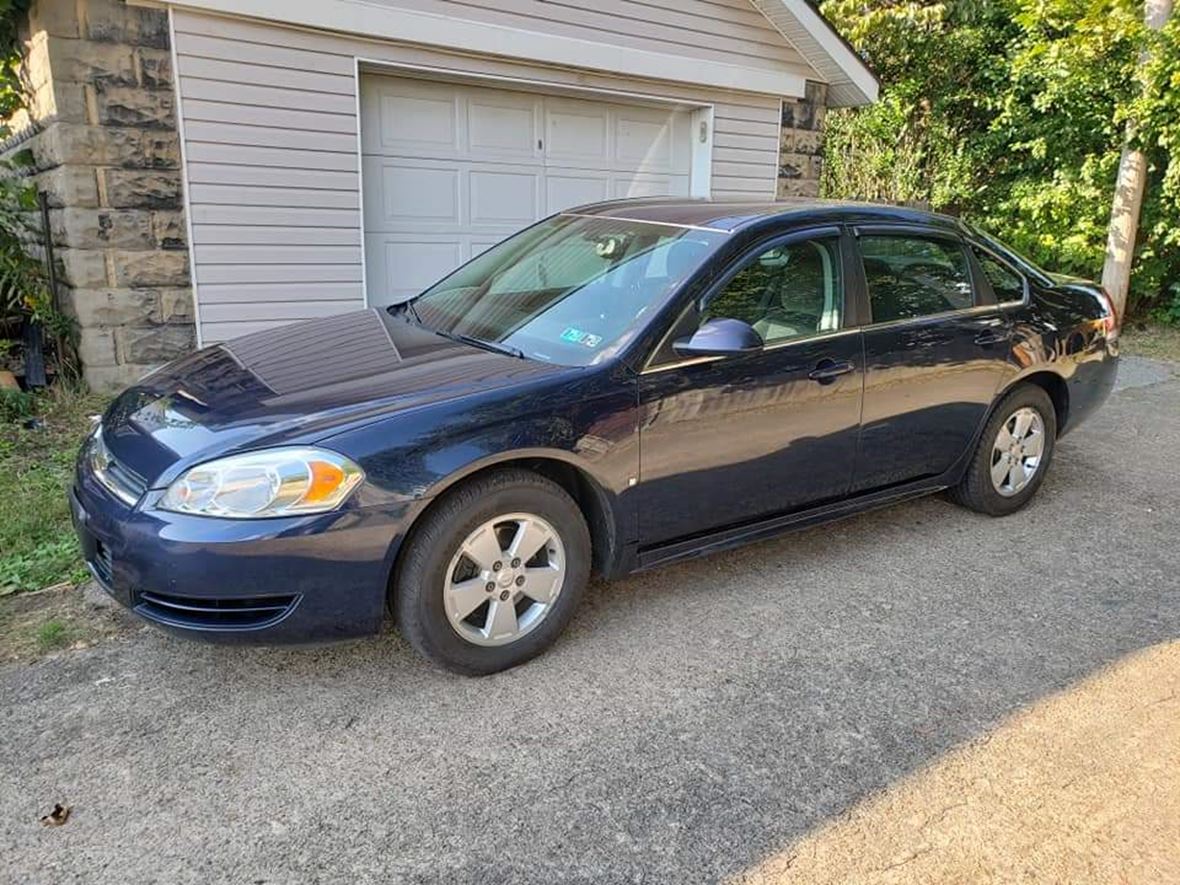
418 604
988 499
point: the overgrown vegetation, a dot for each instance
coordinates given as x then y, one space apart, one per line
1012 113
25 294
12 91
37 543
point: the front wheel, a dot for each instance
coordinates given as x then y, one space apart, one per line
1012 456
493 574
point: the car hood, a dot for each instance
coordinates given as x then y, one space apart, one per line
296 383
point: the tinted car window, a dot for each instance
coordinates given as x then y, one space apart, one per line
785 292
912 276
1007 284
569 290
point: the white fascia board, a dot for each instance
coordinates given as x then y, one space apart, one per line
849 63
381 22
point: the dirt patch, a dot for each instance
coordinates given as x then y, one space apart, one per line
57 619
1154 342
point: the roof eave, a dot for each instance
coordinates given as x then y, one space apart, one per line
851 82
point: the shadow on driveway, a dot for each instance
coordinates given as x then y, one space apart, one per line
693 722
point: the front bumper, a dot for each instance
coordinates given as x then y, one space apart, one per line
271 581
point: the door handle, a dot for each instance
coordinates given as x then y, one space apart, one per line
826 371
993 336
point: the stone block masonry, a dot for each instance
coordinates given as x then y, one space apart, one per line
106 152
800 157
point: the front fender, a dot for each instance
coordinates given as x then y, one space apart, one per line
589 425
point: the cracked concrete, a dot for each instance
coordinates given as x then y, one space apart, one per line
699 723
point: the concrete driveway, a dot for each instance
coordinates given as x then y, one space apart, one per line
694 725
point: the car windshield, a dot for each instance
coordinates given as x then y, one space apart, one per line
571 290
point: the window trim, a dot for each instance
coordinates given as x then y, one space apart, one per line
917 230
991 253
732 269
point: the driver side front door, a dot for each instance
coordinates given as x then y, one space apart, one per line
727 441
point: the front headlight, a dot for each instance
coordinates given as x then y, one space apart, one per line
273 482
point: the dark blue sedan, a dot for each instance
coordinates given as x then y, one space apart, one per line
614 388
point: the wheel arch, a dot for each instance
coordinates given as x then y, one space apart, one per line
1053 384
597 505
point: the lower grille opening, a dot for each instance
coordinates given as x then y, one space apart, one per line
237 612
102 562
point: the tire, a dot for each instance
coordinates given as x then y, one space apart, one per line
977 490
437 579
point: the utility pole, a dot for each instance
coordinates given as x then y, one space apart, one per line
1128 190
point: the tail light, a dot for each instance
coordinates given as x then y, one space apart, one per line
1110 319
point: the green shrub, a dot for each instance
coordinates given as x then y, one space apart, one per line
16 405
1013 114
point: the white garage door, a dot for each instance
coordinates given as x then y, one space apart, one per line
450 169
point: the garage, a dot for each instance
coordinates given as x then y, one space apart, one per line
349 153
451 168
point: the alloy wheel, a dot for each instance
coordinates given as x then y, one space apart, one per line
1017 451
504 579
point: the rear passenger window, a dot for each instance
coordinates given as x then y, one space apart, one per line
912 276
1006 283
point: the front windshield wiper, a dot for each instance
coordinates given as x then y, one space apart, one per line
494 346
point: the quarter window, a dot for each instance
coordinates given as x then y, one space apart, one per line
788 291
1006 283
912 276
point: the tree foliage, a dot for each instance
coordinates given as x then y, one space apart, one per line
1013 113
12 92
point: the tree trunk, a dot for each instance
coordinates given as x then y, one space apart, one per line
1128 191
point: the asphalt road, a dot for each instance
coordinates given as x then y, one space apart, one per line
693 722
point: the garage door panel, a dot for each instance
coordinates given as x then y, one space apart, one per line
510 198
645 186
413 117
417 193
564 191
502 126
644 139
396 268
577 133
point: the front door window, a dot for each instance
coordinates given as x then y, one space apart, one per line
788 291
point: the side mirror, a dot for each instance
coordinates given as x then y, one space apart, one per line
720 337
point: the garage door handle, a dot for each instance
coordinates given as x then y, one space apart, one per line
827 371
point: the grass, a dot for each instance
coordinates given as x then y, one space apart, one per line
52 634
1156 342
59 617
37 543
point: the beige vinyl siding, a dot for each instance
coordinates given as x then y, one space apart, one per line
731 32
270 144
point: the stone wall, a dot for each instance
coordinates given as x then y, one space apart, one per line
108 156
800 159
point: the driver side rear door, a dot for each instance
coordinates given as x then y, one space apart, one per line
726 441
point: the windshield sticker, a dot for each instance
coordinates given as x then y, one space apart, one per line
577 336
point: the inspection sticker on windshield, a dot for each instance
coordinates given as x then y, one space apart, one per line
577 336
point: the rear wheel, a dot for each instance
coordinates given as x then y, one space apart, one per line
1013 454
494 573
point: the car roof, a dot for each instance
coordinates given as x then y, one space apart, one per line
729 216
